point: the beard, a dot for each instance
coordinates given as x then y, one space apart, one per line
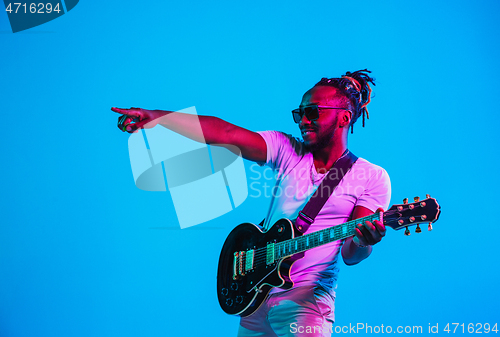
322 141
320 144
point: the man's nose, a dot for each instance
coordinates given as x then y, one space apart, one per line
304 121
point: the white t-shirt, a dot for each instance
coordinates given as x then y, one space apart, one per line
366 185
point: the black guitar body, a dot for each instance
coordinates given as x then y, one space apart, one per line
243 293
252 262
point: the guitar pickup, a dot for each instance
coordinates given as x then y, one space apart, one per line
270 253
249 260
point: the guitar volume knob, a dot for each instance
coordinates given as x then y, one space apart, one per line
234 286
224 291
229 302
239 299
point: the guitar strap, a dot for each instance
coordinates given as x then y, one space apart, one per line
325 189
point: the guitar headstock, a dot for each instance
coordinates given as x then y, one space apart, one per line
408 214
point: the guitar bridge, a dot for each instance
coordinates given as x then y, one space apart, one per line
240 264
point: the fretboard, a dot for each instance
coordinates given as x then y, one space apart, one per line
319 238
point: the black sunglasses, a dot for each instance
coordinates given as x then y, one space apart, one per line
311 112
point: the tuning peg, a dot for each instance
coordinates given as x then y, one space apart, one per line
416 199
427 196
418 229
407 231
430 226
405 200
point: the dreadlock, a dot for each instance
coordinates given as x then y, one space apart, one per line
355 86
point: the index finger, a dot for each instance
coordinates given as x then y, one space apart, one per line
130 112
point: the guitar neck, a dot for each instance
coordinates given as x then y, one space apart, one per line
319 238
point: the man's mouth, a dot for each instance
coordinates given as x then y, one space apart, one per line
306 132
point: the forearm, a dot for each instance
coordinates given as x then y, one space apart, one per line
203 129
352 254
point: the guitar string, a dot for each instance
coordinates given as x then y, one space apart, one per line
286 249
260 254
260 257
315 236
301 241
302 246
281 248
262 260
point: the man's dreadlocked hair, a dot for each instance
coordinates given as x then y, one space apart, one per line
355 86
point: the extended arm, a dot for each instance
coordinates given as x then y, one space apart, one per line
367 235
204 129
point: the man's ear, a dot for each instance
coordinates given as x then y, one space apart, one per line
345 118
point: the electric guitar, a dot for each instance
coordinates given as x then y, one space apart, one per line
252 262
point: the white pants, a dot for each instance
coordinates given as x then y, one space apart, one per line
301 311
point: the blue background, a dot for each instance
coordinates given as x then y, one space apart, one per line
83 252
